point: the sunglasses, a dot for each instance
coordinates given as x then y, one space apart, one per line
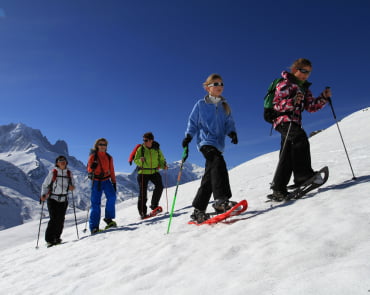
61 160
303 71
146 140
216 84
102 144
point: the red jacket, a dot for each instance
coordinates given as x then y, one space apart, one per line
285 94
105 168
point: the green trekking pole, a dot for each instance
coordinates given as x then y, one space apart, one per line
184 157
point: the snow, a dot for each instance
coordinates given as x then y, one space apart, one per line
317 245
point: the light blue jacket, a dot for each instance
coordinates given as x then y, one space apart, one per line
210 123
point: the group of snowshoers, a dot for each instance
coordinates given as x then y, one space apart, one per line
210 121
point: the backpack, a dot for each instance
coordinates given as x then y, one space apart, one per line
133 153
54 178
269 113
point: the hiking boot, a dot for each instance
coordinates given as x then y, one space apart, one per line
95 230
221 205
318 179
278 195
53 242
144 216
199 216
110 223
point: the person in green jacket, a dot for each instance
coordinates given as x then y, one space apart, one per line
149 159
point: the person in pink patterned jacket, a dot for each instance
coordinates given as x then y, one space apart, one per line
292 97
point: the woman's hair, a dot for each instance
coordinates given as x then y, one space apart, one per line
300 63
96 144
211 78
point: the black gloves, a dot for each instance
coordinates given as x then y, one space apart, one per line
93 165
234 137
90 175
185 154
186 140
114 186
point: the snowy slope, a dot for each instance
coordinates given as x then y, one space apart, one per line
316 245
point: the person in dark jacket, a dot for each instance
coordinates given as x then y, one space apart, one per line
292 97
55 191
210 122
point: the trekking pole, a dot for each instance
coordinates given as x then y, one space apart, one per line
142 189
166 188
184 156
74 210
38 235
88 209
282 150
87 217
340 133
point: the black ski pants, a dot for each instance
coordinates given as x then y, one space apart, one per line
295 157
215 179
143 180
57 213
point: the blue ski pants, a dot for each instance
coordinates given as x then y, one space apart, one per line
110 210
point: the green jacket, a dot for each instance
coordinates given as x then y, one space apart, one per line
154 160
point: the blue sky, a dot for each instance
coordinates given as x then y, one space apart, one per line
79 70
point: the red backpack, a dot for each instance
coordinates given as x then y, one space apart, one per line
133 153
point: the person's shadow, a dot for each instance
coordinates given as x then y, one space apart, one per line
343 185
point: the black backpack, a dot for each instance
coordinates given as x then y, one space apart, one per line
269 114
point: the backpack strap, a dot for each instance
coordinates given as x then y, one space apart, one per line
54 178
69 177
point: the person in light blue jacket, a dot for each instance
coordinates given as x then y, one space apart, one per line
210 122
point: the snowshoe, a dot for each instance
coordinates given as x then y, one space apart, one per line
110 223
95 231
237 209
310 184
153 213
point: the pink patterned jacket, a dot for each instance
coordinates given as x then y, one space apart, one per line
284 100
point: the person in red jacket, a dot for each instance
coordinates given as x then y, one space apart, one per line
292 97
100 169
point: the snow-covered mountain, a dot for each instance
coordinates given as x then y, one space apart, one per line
318 245
26 156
